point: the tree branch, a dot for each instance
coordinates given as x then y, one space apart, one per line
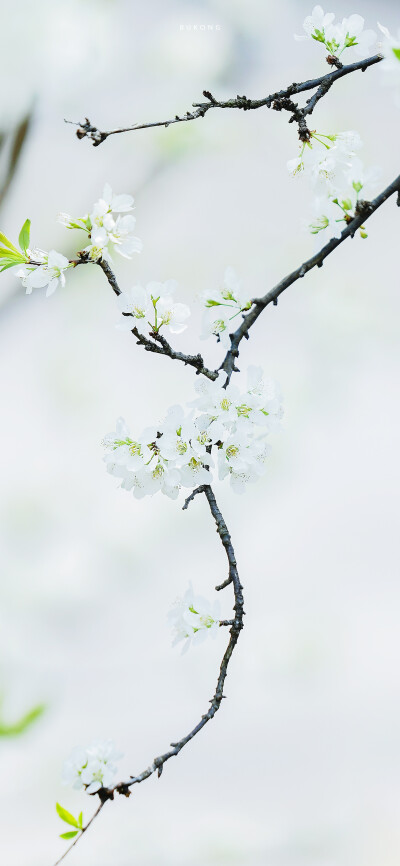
274 100
365 210
236 626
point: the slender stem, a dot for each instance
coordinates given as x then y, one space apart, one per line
98 810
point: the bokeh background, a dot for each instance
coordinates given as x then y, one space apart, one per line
302 764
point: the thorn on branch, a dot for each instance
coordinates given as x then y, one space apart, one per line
275 302
398 199
209 96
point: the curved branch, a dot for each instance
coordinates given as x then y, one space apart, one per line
236 626
365 210
274 100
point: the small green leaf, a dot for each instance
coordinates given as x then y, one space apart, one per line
66 816
396 52
7 243
69 835
80 820
24 236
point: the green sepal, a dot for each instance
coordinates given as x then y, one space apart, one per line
66 816
69 835
24 236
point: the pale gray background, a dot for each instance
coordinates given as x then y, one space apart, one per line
302 764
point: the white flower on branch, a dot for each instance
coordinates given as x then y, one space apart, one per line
91 768
338 179
152 308
50 274
337 37
223 306
192 618
119 230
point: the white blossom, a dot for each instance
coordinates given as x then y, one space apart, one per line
192 618
390 66
50 274
152 308
338 37
91 768
315 24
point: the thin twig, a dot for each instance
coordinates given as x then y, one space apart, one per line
236 626
274 100
76 840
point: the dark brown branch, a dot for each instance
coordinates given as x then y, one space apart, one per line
274 100
235 629
236 626
365 210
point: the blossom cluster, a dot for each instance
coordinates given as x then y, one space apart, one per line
337 37
192 618
337 177
91 768
223 426
110 221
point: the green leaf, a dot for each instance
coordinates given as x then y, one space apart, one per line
80 819
22 724
396 52
66 816
69 835
5 264
7 243
24 236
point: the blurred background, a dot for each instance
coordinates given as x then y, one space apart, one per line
302 764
